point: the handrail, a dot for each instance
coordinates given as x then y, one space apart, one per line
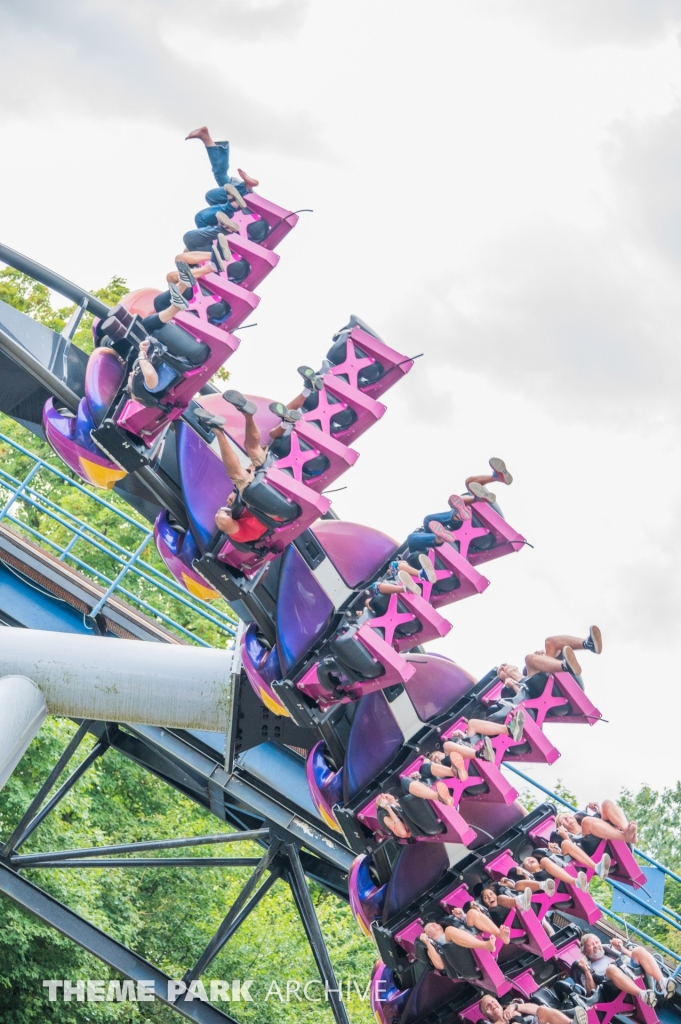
130 563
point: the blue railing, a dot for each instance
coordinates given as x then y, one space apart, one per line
666 914
20 496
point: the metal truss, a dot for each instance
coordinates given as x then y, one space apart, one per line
281 859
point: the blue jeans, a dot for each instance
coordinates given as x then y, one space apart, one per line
421 540
219 162
207 219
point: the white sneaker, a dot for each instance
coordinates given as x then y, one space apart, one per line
428 568
603 867
408 582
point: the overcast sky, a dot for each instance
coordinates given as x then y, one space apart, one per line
495 184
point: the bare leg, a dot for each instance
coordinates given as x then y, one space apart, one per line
484 479
557 871
390 588
553 645
570 849
542 663
526 883
417 788
622 980
647 961
254 448
614 814
203 134
604 830
547 1015
230 460
296 403
462 938
449 747
477 725
476 919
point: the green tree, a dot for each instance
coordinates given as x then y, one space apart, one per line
34 300
166 915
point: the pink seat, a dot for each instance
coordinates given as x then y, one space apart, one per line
242 301
450 564
312 506
492 979
576 902
524 925
396 670
364 350
338 396
148 421
486 521
541 751
261 260
403 609
456 829
570 698
307 443
499 789
281 221
623 866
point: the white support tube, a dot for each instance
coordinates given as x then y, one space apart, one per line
23 712
115 680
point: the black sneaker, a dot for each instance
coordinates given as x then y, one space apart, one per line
284 414
240 402
594 641
209 419
312 380
185 274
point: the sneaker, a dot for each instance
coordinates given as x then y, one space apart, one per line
443 794
459 507
487 751
458 763
185 274
569 662
603 867
594 641
408 582
226 221
670 988
648 997
216 257
240 402
313 380
524 901
284 414
233 191
516 725
208 419
176 297
223 245
549 887
500 472
481 493
427 568
440 532
581 881
580 1015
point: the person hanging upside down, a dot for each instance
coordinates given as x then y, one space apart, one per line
614 967
228 197
389 811
238 523
450 929
520 1012
440 527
